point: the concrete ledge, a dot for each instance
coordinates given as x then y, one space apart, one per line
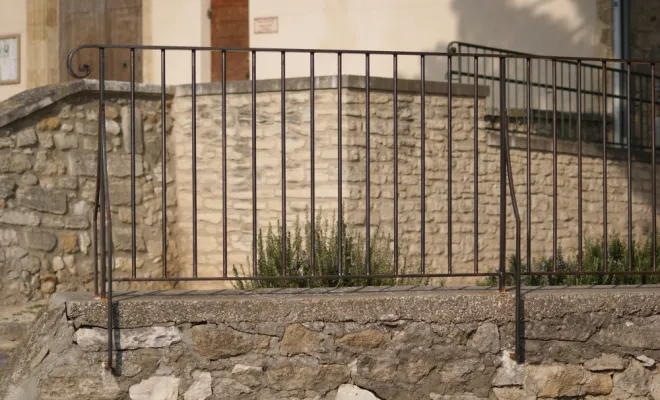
541 144
431 305
332 82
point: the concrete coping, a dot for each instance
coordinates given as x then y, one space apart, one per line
332 82
567 147
359 305
33 100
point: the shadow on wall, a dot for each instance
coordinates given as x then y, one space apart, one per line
531 28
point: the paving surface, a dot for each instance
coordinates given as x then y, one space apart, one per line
14 323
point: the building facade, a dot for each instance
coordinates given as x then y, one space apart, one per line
49 29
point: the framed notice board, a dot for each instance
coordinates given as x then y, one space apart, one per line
10 59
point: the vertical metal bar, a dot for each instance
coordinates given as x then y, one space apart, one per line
395 105
283 145
106 206
163 119
98 203
449 170
653 183
312 150
579 132
476 165
225 189
570 105
133 205
194 161
546 92
340 206
561 86
367 78
102 171
529 165
629 163
554 165
422 121
503 137
254 163
604 100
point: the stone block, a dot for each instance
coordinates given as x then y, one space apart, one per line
126 130
217 342
352 392
39 199
26 138
40 240
95 339
606 362
155 388
69 243
200 388
65 141
49 124
15 163
366 339
13 217
299 340
7 187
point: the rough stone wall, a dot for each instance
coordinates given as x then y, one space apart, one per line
47 189
298 169
419 344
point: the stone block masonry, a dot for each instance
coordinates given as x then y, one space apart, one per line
48 140
47 187
339 344
381 122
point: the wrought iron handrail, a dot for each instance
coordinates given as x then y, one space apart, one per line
103 249
544 86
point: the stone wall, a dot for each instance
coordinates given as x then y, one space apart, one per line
48 162
414 344
48 142
298 169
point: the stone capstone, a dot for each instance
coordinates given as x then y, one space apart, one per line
95 339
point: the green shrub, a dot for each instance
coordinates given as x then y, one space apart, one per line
298 250
592 261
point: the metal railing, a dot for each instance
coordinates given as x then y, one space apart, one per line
562 77
103 247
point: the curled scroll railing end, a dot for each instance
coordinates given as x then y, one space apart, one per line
83 69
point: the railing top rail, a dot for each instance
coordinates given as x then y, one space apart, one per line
511 54
348 51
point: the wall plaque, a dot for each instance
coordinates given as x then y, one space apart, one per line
265 25
10 59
